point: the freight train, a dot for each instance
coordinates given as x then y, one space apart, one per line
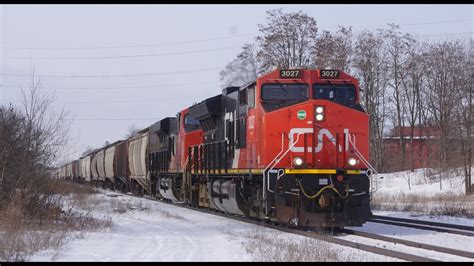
291 147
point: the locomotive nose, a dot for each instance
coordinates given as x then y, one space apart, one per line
302 122
302 115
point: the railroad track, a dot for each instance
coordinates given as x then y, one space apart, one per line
424 225
331 239
445 250
314 235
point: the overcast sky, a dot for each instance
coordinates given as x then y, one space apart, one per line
176 53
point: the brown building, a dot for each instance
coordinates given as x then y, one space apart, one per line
420 152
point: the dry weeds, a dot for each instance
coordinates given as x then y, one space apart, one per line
266 245
449 204
24 230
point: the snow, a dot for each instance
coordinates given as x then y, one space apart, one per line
148 230
424 217
421 183
406 249
420 192
453 241
154 231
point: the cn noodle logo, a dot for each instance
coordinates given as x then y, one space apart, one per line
322 133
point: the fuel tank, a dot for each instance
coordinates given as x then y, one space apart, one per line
225 196
166 188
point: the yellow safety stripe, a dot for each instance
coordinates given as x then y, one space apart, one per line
260 171
319 171
353 172
173 171
310 171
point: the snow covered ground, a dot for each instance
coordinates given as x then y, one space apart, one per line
459 242
146 230
422 181
421 192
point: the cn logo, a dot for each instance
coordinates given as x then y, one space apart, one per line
323 132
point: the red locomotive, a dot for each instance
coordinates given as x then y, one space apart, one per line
291 147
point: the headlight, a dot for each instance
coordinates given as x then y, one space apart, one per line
297 161
352 161
320 112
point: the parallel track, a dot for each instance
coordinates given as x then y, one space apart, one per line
334 240
314 235
425 225
445 250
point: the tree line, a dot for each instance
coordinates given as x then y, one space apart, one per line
32 139
406 82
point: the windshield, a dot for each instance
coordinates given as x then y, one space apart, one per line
191 124
334 92
191 121
284 92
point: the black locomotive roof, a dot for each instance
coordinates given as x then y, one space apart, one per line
166 125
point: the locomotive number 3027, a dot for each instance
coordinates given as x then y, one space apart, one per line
294 73
329 74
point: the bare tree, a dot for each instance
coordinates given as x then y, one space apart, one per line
412 84
47 129
333 50
88 150
370 67
464 114
287 40
32 141
444 83
132 131
243 69
396 46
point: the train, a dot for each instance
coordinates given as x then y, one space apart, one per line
291 147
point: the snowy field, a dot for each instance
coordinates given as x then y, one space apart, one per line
424 181
146 230
421 192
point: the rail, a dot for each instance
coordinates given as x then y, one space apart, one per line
302 232
423 225
445 250
399 219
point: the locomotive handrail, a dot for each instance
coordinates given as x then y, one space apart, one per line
275 162
264 175
367 163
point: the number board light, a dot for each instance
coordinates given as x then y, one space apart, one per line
329 74
290 73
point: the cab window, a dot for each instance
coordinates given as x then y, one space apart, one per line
334 92
278 95
191 124
284 92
